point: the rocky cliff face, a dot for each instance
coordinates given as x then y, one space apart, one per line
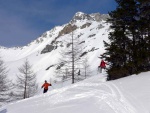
85 21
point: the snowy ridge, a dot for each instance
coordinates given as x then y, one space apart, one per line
91 33
93 95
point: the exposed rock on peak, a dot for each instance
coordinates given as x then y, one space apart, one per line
85 25
81 16
48 48
67 29
91 17
105 16
99 17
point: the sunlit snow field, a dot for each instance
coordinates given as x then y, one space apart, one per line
94 95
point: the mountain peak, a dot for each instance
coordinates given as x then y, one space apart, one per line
79 16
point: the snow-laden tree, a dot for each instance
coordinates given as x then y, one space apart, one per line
5 84
26 81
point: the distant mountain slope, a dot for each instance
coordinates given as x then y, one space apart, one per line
43 52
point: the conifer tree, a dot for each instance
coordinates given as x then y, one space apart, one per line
144 29
128 50
122 51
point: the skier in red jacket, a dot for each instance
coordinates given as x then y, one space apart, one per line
45 85
102 65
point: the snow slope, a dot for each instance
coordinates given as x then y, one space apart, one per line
94 95
92 36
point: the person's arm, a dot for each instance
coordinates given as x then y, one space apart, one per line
50 84
42 85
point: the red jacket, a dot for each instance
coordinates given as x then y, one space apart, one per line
102 64
45 85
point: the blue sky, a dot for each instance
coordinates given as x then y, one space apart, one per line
22 21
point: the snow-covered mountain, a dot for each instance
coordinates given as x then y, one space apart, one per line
44 52
93 95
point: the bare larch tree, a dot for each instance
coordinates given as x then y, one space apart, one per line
71 60
26 81
5 83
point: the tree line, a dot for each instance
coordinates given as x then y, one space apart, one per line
128 49
25 85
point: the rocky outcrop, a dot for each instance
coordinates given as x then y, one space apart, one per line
96 16
100 26
83 54
93 49
91 35
67 29
44 35
105 16
82 42
39 40
86 52
50 67
60 66
48 48
99 17
81 16
85 25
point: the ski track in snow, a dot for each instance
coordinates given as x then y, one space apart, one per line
105 97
